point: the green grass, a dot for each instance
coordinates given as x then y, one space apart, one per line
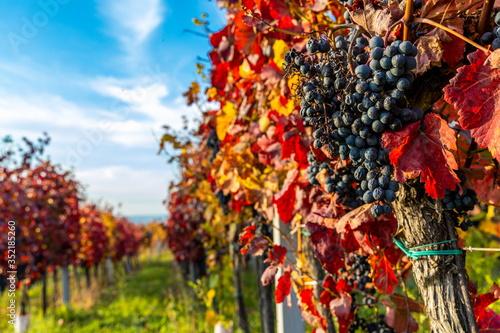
153 299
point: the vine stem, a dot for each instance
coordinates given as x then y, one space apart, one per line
351 48
348 26
448 30
466 9
271 28
485 16
407 18
470 153
471 318
389 30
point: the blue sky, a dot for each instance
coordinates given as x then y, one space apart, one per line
101 77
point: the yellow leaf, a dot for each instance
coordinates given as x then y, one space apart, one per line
284 110
212 92
211 317
245 69
264 123
280 48
252 183
293 83
169 138
224 118
211 294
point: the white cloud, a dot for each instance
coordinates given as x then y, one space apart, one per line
141 190
133 21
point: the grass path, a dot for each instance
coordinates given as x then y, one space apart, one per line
153 299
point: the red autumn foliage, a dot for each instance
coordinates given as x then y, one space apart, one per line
428 153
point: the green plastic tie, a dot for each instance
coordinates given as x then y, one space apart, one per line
305 233
417 254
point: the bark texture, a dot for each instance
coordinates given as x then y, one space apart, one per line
44 293
439 278
266 293
241 314
87 276
266 304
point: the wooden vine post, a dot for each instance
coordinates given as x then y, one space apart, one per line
441 280
266 293
288 320
65 285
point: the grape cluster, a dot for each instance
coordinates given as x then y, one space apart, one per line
339 182
213 143
223 201
350 110
358 274
314 168
461 201
493 38
379 326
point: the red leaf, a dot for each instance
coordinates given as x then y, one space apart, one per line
247 41
246 237
343 286
427 153
269 275
400 302
453 49
489 322
349 242
397 318
294 146
383 275
485 182
258 246
368 230
341 306
306 297
327 294
285 199
326 245
276 255
481 302
475 93
283 288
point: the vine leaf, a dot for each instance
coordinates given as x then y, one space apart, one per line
486 184
383 275
268 275
376 18
284 286
438 45
285 199
475 93
397 317
246 237
487 319
428 153
361 229
327 295
296 148
276 255
225 117
306 297
326 246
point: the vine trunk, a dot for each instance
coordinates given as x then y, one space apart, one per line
442 280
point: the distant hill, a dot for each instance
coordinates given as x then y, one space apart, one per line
143 219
